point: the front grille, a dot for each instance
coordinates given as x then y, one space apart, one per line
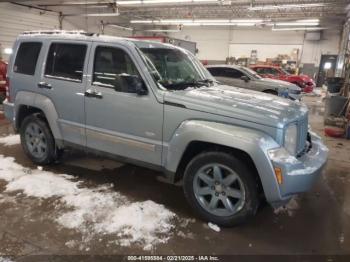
302 134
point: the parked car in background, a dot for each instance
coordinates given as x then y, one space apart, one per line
3 69
246 78
306 83
155 105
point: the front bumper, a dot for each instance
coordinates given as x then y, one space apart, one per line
300 174
2 88
308 88
290 95
9 110
296 97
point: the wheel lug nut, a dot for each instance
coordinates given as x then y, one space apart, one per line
223 193
217 194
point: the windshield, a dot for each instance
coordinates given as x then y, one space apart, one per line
251 73
176 69
284 71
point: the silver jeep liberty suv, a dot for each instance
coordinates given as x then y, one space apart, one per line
155 105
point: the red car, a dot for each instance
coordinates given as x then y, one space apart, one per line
305 82
3 69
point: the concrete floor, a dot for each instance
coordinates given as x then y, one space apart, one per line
319 223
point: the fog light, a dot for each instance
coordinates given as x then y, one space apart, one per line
278 174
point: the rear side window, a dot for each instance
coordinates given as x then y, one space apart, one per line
215 71
66 61
260 70
27 57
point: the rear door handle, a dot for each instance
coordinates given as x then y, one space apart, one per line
91 93
44 85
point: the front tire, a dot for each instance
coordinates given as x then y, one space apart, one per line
221 189
37 140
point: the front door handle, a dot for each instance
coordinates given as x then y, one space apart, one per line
44 85
92 93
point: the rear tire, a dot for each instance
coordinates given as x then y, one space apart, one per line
37 140
221 189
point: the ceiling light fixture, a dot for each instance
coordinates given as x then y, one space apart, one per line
308 21
297 23
298 29
194 22
286 6
8 51
95 15
121 27
147 2
218 24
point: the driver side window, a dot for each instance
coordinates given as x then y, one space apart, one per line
232 73
273 71
111 65
261 71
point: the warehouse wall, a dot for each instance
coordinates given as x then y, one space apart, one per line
93 25
214 43
15 19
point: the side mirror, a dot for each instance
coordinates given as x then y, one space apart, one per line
245 78
134 84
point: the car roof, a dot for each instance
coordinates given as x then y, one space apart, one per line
265 66
91 37
224 65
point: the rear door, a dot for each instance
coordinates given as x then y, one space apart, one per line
63 81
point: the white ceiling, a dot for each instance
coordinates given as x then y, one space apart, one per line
330 12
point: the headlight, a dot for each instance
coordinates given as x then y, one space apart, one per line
281 155
294 91
290 139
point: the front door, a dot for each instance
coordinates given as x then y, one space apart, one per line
119 121
233 77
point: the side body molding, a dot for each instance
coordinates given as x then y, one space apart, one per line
253 142
44 104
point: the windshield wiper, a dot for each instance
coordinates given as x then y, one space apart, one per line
195 83
205 82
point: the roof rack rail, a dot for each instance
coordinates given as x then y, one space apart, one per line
58 32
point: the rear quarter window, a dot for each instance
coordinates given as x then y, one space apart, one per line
27 58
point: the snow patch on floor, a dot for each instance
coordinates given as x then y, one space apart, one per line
214 227
43 185
5 259
10 140
289 209
93 211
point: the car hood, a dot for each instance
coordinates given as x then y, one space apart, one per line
240 104
304 78
280 84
